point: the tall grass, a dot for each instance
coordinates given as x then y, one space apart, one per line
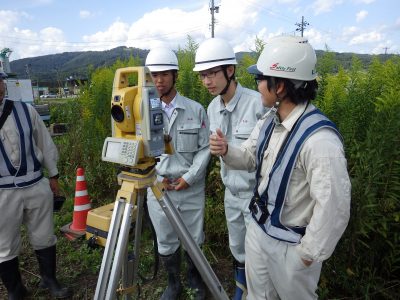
365 104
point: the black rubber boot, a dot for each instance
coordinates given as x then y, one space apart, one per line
240 280
172 264
47 266
9 273
195 281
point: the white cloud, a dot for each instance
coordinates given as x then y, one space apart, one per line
367 37
25 42
159 27
8 19
115 35
171 27
323 6
361 15
84 14
238 21
350 31
317 39
364 1
48 40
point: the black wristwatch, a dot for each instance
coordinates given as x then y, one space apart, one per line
55 176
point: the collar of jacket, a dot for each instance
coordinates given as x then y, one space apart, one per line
233 102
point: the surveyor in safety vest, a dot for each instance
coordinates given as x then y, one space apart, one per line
235 110
26 196
301 202
182 174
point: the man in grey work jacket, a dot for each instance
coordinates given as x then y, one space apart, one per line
26 197
182 173
236 111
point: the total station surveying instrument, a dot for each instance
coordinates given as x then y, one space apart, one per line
138 138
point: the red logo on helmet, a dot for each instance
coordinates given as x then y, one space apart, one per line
277 67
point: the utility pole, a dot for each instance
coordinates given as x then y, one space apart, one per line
386 49
213 9
28 70
301 26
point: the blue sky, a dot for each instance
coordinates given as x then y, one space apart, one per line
38 27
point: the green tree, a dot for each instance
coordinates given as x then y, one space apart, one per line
188 83
366 107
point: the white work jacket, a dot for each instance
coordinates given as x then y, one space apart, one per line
236 121
318 195
43 146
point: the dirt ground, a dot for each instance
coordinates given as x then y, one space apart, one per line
83 281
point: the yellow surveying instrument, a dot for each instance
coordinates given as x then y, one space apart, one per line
138 138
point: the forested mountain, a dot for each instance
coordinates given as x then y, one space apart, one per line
57 67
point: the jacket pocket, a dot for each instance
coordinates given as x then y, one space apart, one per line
241 134
188 136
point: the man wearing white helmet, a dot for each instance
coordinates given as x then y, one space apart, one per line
301 202
182 174
236 111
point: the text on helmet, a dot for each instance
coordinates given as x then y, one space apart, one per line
277 67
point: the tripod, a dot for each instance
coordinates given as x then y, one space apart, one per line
115 264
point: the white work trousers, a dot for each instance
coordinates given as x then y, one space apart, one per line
274 269
237 219
31 206
190 205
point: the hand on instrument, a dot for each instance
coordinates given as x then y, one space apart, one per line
180 184
168 184
218 143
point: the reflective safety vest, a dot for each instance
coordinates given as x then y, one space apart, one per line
271 201
30 169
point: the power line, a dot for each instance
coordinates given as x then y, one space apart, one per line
276 14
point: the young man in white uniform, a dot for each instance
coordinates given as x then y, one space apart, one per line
235 110
182 173
301 203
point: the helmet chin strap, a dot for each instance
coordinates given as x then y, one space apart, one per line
223 92
171 88
167 93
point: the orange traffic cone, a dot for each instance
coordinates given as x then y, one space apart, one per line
81 208
82 202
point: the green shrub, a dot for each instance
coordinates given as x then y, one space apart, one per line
365 104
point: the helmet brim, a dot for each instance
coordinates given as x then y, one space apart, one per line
162 68
3 75
253 70
212 64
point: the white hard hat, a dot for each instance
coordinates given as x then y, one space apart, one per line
212 53
161 59
289 57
